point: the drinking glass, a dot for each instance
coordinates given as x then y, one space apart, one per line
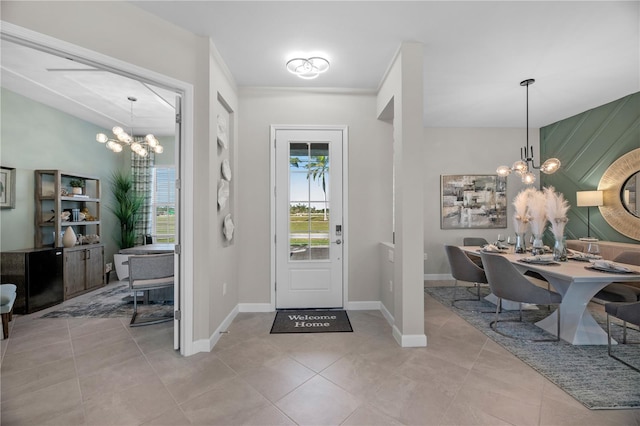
593 249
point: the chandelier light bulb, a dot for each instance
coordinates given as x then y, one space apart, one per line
117 130
503 171
520 167
158 149
550 166
102 138
528 178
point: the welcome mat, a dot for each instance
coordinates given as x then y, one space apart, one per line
311 321
585 372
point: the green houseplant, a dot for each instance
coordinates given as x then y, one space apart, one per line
126 207
76 185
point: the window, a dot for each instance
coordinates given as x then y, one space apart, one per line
164 204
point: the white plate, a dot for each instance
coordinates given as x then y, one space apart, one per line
223 193
228 227
226 170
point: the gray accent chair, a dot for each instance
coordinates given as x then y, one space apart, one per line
7 298
150 272
506 282
619 292
464 269
628 313
474 241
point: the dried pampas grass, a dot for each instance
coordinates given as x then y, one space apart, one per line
557 208
538 212
521 204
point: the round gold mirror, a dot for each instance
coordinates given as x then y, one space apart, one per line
619 184
629 194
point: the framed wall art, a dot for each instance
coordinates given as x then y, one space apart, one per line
473 201
7 188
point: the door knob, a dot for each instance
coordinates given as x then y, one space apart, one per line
338 241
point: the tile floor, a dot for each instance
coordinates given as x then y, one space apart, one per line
101 372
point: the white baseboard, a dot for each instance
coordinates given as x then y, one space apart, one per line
387 315
205 345
409 340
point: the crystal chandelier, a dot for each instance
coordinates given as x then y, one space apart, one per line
140 146
523 167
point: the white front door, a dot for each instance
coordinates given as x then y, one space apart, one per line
308 223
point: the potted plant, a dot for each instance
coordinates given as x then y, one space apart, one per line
76 186
126 208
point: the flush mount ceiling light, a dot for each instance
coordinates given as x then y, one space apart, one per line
308 68
525 164
140 146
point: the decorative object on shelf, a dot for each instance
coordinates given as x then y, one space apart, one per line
222 131
228 227
589 199
226 170
75 215
89 239
140 146
223 193
7 188
473 201
308 68
557 208
69 238
521 218
526 163
64 192
65 216
538 221
76 186
127 207
87 216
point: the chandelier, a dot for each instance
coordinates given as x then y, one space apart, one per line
308 68
139 145
523 167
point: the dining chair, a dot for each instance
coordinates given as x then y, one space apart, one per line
464 269
506 282
619 292
474 241
150 272
628 313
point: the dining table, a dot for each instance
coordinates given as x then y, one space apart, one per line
577 281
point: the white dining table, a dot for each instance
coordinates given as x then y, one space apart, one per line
577 285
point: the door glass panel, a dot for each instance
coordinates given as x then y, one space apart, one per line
309 201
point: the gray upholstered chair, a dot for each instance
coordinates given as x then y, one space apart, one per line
474 241
628 313
150 272
506 282
619 292
7 297
464 269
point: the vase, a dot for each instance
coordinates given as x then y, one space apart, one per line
521 245
76 190
69 237
560 249
537 247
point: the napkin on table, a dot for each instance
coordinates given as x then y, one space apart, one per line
539 258
605 264
491 248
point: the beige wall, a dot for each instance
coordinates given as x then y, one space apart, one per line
465 151
369 169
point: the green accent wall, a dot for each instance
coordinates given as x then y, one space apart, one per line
587 144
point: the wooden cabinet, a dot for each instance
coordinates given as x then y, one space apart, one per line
83 269
55 201
83 264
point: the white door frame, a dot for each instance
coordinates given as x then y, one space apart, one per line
99 60
345 205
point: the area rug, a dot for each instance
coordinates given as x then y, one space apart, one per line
311 321
585 372
113 302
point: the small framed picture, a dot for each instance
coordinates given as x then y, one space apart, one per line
7 188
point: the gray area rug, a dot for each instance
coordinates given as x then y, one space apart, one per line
585 372
113 302
311 321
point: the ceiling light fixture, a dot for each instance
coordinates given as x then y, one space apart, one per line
524 166
308 68
140 146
